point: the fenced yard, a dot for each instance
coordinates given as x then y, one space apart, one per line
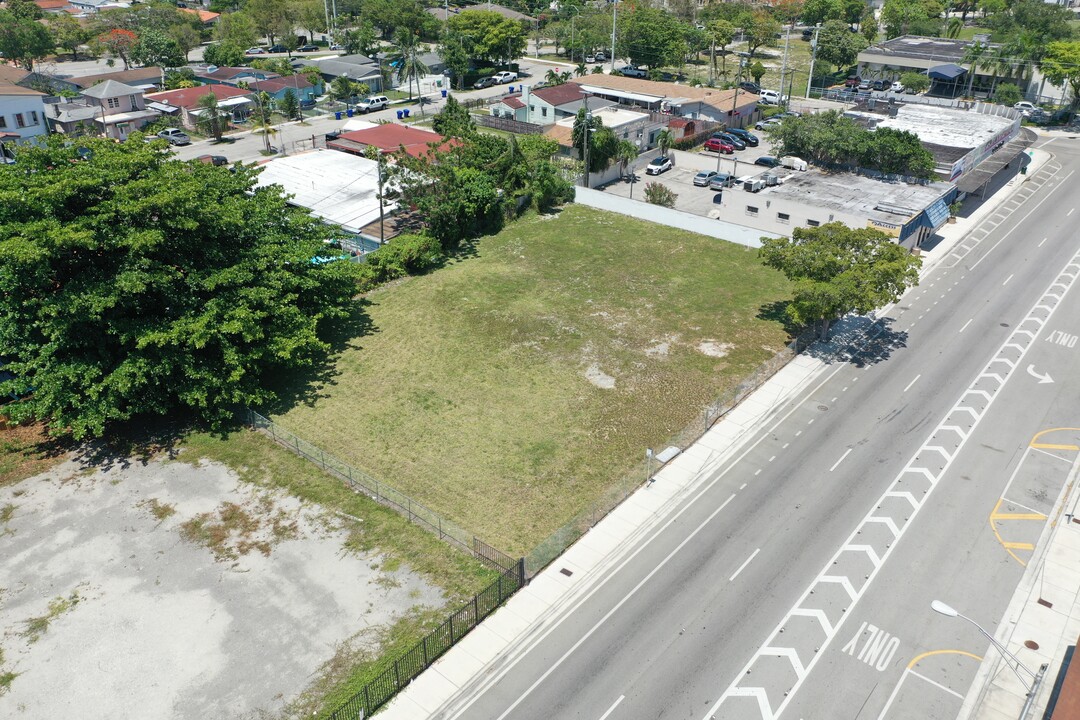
516 386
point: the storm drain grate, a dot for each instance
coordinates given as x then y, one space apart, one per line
566 572
1046 603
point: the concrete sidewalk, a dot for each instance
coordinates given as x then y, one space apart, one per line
544 602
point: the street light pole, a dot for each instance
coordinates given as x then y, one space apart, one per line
614 21
1036 678
783 67
813 56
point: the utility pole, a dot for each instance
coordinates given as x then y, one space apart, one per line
614 22
326 10
783 66
813 56
585 137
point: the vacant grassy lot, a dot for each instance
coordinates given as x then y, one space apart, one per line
509 389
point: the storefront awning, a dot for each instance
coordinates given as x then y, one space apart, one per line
946 72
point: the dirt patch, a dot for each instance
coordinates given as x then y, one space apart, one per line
104 598
599 378
712 348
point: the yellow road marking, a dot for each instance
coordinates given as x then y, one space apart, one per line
1053 446
1019 546
942 652
1009 547
1017 516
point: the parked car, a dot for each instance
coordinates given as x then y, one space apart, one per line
307 103
771 97
484 82
337 46
504 76
750 87
731 140
590 59
879 85
1026 108
255 51
853 81
717 145
767 123
897 87
278 49
767 161
864 86
174 136
746 136
600 56
659 165
632 71
307 48
702 179
216 160
789 113
721 181
808 34
373 102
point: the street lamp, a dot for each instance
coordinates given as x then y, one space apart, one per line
1036 678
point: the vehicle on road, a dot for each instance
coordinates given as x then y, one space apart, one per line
337 46
216 160
174 136
373 102
484 82
750 87
721 181
730 139
307 48
255 51
632 71
767 123
746 136
659 165
717 145
1026 108
767 161
278 49
771 97
702 179
504 76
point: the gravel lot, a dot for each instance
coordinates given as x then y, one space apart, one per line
169 590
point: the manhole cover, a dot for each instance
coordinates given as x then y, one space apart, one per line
822 408
1031 645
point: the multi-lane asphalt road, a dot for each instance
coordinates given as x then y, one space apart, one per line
797 581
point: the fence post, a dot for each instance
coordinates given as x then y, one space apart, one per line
367 700
297 441
397 675
476 607
423 644
452 640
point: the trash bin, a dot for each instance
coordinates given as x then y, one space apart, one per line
337 114
406 111
349 112
400 114
510 90
438 83
443 91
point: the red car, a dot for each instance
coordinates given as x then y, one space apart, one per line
718 146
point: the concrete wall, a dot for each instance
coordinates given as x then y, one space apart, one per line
721 229
738 206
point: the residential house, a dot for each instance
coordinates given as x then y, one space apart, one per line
146 79
443 13
546 105
261 80
91 7
184 103
358 68
207 18
22 114
735 108
942 59
390 138
639 127
11 75
278 87
120 108
222 75
54 7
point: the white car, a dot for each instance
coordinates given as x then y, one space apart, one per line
659 165
600 56
897 87
372 103
504 76
590 58
631 71
1026 108
771 97
175 136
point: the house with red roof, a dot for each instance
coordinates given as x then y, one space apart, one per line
184 103
206 17
390 138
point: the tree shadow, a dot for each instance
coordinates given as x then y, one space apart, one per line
860 341
776 312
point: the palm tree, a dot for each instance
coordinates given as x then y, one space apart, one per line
581 70
664 140
262 119
409 66
974 56
552 77
212 118
626 153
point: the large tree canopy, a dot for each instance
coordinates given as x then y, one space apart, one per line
138 285
837 270
486 35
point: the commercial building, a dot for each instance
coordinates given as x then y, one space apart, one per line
942 59
909 212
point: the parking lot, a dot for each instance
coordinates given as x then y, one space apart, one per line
680 179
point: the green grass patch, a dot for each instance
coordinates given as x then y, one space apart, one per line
38 626
478 392
260 461
6 513
25 451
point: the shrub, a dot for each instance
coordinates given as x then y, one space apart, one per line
659 194
1008 94
404 255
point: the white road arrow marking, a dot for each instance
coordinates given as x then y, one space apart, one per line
1042 378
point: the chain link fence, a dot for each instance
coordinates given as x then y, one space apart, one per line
382 493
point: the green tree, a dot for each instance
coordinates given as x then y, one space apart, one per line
896 152
720 34
23 40
361 40
915 82
453 120
155 48
262 119
289 105
212 118
487 36
224 54
24 9
626 153
1061 66
817 12
837 45
236 29
393 16
651 37
660 194
757 71
911 17
664 140
406 53
837 270
120 43
67 32
342 88
868 26
186 37
177 78
761 31
311 15
272 18
974 55
1008 94
116 312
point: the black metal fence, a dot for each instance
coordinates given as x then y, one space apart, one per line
382 493
373 695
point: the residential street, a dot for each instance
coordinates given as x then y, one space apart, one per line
798 582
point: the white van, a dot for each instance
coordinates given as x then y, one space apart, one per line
770 97
373 102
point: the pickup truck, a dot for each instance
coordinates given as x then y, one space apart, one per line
631 71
